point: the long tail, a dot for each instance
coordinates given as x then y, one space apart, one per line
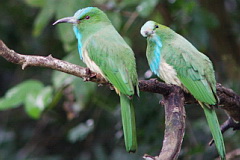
128 121
215 129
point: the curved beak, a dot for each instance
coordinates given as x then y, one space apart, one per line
72 20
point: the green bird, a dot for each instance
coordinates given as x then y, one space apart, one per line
105 52
176 61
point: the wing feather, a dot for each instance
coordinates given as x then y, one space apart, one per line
114 57
193 68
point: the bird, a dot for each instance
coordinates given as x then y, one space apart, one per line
105 52
176 61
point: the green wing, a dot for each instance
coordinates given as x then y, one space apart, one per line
196 73
193 68
116 61
114 57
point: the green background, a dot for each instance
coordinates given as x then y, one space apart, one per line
50 115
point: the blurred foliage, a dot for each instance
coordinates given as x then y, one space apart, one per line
51 115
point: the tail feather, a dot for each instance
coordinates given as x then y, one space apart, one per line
215 129
128 121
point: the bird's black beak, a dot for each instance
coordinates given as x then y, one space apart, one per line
72 20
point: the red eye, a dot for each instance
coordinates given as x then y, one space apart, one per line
87 17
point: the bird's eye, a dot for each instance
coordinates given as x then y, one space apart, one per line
156 26
87 17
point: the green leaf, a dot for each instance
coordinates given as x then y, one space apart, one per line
60 79
82 90
16 95
81 131
44 16
37 101
145 8
35 3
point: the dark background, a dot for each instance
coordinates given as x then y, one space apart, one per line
61 117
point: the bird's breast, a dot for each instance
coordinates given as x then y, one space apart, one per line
90 63
168 74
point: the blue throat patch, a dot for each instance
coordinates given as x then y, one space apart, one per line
155 61
79 38
77 15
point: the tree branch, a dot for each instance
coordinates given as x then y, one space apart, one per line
49 62
175 125
175 120
174 97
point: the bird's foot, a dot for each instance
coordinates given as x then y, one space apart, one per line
90 75
162 102
100 85
111 87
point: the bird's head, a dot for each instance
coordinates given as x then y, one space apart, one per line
84 17
150 28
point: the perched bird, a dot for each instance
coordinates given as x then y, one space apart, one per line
105 52
176 61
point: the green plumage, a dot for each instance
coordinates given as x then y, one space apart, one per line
104 51
180 63
127 110
114 57
214 127
194 69
117 63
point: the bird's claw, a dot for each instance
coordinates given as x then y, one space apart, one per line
111 87
90 75
86 79
161 102
100 85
